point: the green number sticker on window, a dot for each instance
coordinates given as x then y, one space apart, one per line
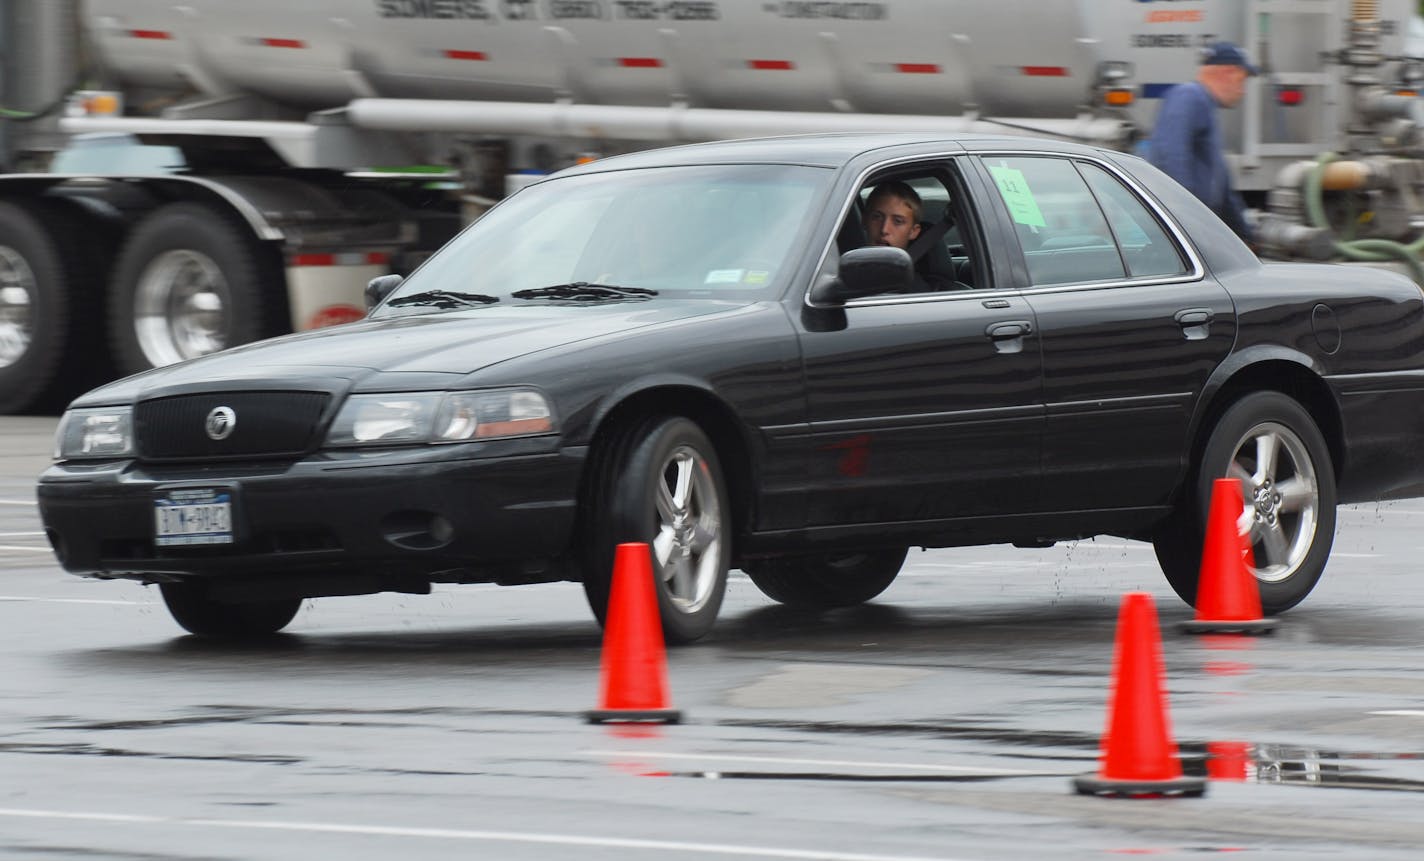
1014 189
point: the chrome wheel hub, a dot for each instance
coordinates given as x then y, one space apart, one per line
180 307
688 545
1281 495
17 288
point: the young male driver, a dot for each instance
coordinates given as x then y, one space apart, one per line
892 215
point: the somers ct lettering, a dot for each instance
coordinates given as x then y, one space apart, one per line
475 10
823 9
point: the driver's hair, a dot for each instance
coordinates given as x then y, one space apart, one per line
897 189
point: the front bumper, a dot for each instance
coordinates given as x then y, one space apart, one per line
487 511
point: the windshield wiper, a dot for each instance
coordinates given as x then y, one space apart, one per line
583 291
445 299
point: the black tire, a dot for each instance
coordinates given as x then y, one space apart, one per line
827 580
49 347
1291 532
191 280
690 542
199 614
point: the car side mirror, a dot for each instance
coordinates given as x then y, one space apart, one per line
379 288
866 272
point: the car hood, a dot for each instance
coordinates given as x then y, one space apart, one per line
405 352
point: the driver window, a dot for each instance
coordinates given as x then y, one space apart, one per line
922 213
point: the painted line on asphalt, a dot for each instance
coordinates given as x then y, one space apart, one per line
20 534
838 763
25 547
584 840
1355 555
18 502
43 600
1400 713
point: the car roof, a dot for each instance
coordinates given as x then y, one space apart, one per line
818 150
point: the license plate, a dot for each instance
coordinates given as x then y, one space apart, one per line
193 516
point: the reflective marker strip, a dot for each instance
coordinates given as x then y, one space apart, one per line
771 65
917 68
350 258
1044 71
150 34
640 62
282 43
466 55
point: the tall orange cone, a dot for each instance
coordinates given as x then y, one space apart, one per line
634 679
1228 597
1138 755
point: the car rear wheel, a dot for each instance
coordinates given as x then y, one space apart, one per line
199 614
827 580
660 483
1268 442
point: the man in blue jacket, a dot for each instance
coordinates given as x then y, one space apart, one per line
1186 140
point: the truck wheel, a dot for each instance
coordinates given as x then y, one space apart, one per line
191 607
827 580
660 483
47 340
190 281
1269 442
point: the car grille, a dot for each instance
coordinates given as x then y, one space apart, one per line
267 424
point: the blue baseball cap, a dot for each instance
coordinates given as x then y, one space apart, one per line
1227 54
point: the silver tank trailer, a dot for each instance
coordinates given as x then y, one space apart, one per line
1010 58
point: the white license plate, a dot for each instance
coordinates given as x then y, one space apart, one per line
197 516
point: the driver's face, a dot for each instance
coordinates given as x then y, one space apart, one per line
890 221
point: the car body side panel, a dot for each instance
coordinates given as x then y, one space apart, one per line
917 413
1362 331
1121 379
745 358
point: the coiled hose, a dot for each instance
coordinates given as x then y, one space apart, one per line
1366 250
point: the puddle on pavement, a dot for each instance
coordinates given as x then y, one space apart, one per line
1223 761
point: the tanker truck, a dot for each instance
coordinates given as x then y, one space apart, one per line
184 177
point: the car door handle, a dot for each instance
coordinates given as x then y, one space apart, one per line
1194 317
1008 329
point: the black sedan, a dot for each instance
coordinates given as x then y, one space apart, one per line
799 357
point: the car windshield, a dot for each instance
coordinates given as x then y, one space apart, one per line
720 231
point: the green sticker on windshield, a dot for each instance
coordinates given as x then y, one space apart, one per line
1014 189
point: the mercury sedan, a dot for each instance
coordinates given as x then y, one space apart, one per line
715 350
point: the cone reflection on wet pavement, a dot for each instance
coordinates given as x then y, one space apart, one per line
1228 596
1139 757
634 684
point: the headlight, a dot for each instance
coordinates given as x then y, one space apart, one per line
105 432
437 417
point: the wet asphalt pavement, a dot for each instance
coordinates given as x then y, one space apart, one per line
944 720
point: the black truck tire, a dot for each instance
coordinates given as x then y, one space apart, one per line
49 344
191 280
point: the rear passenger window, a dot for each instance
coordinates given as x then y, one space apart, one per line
1065 237
1146 247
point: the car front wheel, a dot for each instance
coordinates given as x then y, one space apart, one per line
660 483
201 615
827 580
1271 445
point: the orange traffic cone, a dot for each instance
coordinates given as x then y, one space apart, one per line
1228 598
634 679
1138 754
